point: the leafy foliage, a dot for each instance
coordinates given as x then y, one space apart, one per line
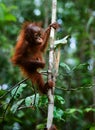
16 92
74 92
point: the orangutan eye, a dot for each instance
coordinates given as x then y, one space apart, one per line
37 35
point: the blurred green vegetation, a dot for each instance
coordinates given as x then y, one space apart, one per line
75 86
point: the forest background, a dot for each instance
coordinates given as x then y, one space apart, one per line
75 87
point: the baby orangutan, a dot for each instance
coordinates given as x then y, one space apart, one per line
29 53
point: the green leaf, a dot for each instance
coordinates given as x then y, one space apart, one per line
16 105
16 92
59 99
10 17
70 111
81 66
31 99
43 101
65 66
40 126
91 19
92 128
58 113
60 42
3 7
88 109
73 110
5 14
20 114
28 101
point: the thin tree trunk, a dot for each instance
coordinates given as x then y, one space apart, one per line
51 65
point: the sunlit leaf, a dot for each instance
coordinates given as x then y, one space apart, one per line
31 100
10 17
28 101
73 110
70 111
65 66
60 99
61 42
92 128
16 92
16 105
88 109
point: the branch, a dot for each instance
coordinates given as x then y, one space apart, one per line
57 45
9 90
51 63
61 42
17 85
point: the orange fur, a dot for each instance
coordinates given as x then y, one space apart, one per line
29 51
